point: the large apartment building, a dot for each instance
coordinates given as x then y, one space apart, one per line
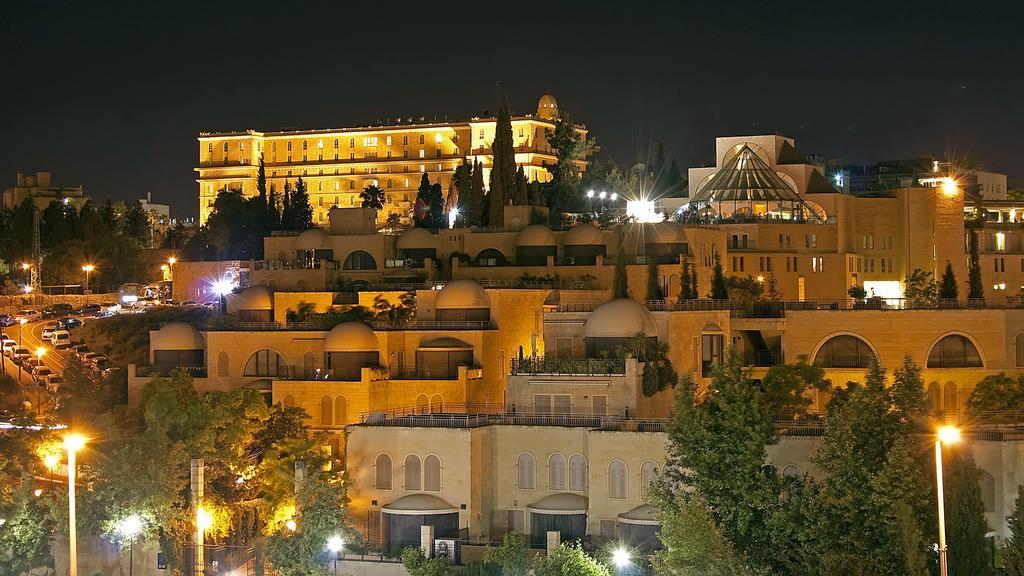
337 164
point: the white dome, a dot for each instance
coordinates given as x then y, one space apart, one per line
351 337
177 336
564 503
584 235
419 504
547 107
252 298
620 318
642 515
415 238
462 294
535 235
313 239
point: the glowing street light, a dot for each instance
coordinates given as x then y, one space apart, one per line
130 527
87 268
72 443
222 288
291 525
621 558
203 520
172 260
335 544
615 196
945 435
590 193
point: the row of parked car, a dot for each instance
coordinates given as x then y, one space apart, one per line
62 311
34 365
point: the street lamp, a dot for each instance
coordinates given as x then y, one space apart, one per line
129 527
72 443
87 268
222 288
21 328
621 558
335 544
946 435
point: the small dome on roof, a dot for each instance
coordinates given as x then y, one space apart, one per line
177 336
313 239
583 235
643 515
462 294
535 235
252 298
416 504
416 238
446 342
563 503
547 107
664 233
351 337
618 319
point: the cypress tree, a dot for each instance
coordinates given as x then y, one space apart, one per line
1013 549
521 196
693 284
718 288
263 216
287 210
948 289
653 287
965 516
422 213
475 202
302 210
273 210
684 281
536 194
503 167
620 283
975 289
435 207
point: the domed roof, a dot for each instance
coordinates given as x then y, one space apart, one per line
351 337
313 239
418 504
620 318
462 294
642 514
252 298
563 503
583 235
535 235
664 233
547 107
446 343
177 336
415 238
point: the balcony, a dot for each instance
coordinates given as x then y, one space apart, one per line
569 366
295 265
154 371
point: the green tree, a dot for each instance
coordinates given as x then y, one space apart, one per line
694 543
948 289
473 205
997 398
302 209
503 167
569 560
570 148
136 224
1013 548
684 282
372 197
785 387
771 290
719 291
920 288
287 208
419 565
620 280
520 193
965 514
421 215
744 289
653 286
512 557
975 288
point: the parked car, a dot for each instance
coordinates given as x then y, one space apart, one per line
40 374
99 362
8 346
79 349
189 303
87 357
57 310
6 320
108 308
28 315
54 381
88 310
49 329
69 322
60 339
20 354
32 361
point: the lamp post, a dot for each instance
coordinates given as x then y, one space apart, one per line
129 527
72 443
335 544
947 435
21 328
621 558
87 268
203 523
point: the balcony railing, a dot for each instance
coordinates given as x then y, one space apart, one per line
295 265
431 325
569 366
149 371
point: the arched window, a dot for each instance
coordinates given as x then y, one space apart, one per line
359 260
648 472
340 411
289 401
525 472
490 257
436 403
326 411
792 471
935 397
950 401
617 479
222 364
1020 350
954 351
556 472
432 474
265 363
578 473
383 472
844 351
412 472
422 404
988 491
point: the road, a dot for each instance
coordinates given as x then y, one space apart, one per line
31 337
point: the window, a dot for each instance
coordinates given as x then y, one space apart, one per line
556 472
412 472
711 346
648 473
817 264
405 140
265 363
422 139
340 411
437 137
432 474
950 398
382 472
525 472
388 141
954 351
578 473
811 240
423 153
370 141
481 133
617 479
844 351
326 411
351 142
1000 242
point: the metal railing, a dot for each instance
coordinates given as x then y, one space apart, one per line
568 366
145 371
294 264
431 324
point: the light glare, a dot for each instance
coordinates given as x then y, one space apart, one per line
949 434
620 557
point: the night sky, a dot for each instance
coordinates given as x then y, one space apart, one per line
113 96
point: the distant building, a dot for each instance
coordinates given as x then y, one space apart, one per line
866 179
38 187
160 212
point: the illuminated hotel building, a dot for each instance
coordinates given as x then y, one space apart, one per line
337 164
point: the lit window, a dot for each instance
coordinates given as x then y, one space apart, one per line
337 186
305 145
1000 241
422 139
388 141
289 146
423 168
351 142
423 153
405 140
437 137
320 143
370 141
335 143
